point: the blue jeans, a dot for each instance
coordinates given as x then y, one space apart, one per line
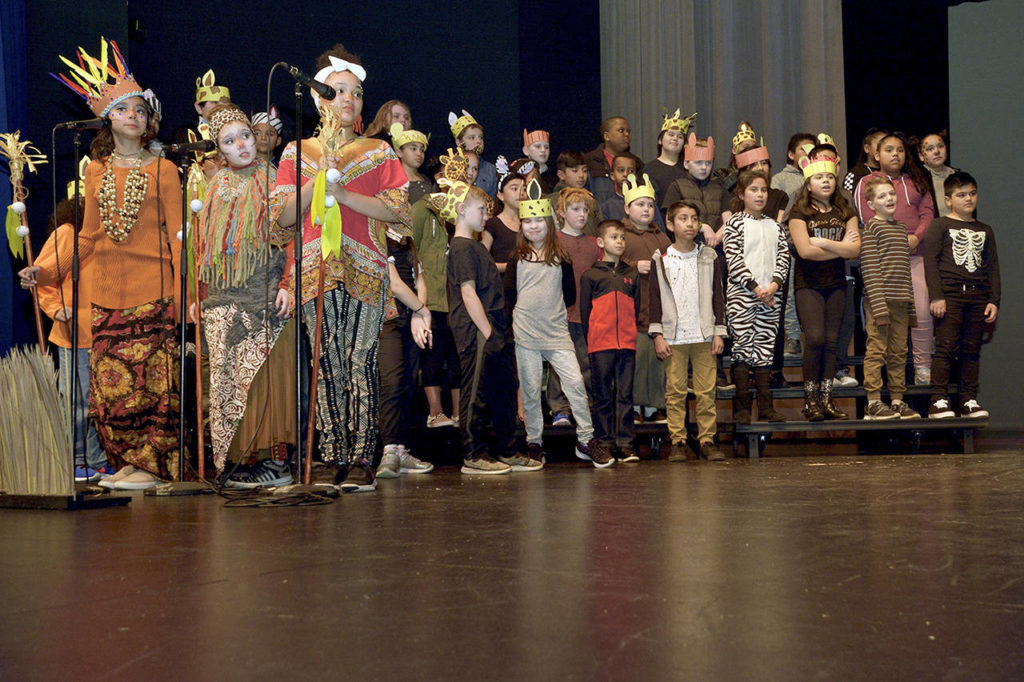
87 446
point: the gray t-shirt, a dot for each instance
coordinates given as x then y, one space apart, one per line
539 320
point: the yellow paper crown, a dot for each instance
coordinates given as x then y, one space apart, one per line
693 152
81 179
750 156
824 162
745 134
673 122
208 91
460 123
535 206
401 137
101 84
454 166
447 203
633 190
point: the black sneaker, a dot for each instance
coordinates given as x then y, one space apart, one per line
627 455
359 478
595 453
940 409
659 417
972 410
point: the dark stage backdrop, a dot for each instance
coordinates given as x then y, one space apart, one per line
510 64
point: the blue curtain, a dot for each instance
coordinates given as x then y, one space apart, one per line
13 116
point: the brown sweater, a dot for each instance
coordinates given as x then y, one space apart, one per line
641 245
143 267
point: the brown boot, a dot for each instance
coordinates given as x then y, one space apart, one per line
765 409
741 409
827 405
812 402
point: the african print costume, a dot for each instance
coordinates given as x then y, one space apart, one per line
357 298
242 264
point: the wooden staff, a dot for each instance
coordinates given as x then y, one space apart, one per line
200 427
307 475
19 195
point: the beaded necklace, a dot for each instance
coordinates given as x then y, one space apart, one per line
135 187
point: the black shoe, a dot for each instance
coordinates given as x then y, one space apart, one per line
359 478
778 380
659 417
594 452
627 455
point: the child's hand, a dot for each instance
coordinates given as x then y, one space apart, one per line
63 315
711 238
717 345
661 348
192 313
644 266
851 237
913 241
283 302
991 310
29 276
938 308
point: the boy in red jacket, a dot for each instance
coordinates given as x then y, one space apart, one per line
609 296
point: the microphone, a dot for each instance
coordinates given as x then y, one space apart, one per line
87 124
186 147
325 91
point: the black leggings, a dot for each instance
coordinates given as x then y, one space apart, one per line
821 315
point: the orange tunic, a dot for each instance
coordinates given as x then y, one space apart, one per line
138 269
52 298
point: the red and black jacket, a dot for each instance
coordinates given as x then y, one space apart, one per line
609 300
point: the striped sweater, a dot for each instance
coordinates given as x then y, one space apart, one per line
885 267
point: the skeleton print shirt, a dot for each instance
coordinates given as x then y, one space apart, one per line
960 259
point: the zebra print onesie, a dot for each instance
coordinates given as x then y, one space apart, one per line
756 253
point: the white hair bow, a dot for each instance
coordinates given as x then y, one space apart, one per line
337 66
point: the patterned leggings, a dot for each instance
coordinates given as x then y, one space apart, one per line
348 388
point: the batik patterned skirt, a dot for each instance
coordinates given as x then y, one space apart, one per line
133 395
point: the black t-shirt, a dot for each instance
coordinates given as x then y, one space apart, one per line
469 261
663 175
820 274
401 256
504 239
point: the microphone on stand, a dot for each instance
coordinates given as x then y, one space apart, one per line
187 147
325 91
87 124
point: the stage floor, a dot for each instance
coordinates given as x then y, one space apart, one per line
809 567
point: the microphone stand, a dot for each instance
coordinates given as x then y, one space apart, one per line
304 476
75 273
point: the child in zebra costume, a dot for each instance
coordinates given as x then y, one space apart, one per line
757 258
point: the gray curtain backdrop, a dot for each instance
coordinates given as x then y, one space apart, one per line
775 63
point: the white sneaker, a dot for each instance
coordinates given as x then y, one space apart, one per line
940 410
389 466
407 464
972 410
845 380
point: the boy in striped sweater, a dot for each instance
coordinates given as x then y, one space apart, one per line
889 296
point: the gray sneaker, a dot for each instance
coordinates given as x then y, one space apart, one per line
485 466
389 463
410 465
879 411
904 411
533 461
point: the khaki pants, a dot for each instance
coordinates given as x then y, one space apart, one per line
886 346
699 356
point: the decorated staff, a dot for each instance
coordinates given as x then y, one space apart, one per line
21 155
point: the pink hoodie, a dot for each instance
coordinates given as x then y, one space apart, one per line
913 208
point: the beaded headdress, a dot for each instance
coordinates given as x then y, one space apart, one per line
101 84
633 190
207 89
535 206
221 118
674 122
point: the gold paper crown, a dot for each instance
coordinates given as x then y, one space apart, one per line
447 203
824 162
453 169
82 165
745 134
682 125
102 85
208 91
401 137
691 152
535 206
632 190
460 123
535 136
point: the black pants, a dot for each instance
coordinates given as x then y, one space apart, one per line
779 354
397 358
440 362
488 366
959 333
611 375
821 315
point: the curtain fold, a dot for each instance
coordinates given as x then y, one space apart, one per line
778 65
